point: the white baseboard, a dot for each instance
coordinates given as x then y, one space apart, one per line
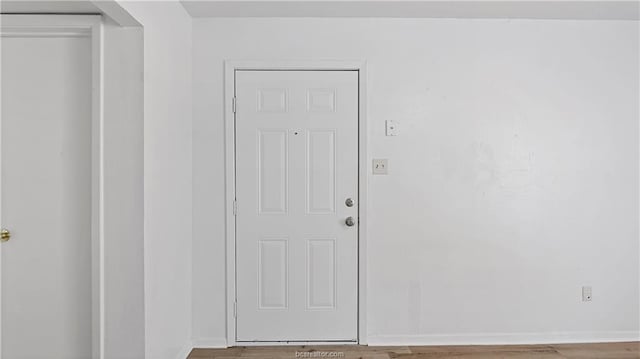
202 344
292 344
210 343
504 338
461 339
184 352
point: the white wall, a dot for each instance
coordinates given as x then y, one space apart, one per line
123 186
514 180
167 176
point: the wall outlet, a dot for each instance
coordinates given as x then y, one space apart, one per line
586 294
380 166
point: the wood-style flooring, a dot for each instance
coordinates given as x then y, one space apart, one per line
626 350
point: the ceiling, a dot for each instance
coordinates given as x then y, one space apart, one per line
550 9
46 7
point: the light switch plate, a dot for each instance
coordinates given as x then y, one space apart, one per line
380 166
586 294
392 128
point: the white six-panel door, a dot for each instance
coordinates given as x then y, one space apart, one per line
45 270
296 167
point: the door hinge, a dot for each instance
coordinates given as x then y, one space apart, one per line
233 104
235 207
235 309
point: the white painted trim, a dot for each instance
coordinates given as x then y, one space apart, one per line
97 164
215 343
79 25
276 344
504 338
184 352
230 66
218 343
46 32
230 190
363 197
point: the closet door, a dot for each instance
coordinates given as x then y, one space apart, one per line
45 195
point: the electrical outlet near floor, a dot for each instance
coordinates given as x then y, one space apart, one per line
586 294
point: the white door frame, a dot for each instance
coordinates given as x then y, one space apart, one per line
229 120
78 26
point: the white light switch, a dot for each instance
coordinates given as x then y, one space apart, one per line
380 166
392 128
586 294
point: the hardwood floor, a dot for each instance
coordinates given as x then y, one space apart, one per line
627 350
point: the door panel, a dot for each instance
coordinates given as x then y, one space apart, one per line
46 197
296 164
272 178
321 273
321 172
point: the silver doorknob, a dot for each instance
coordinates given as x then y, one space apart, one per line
349 221
349 202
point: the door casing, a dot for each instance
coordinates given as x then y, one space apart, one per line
18 25
231 66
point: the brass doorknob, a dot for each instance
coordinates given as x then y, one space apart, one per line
5 235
